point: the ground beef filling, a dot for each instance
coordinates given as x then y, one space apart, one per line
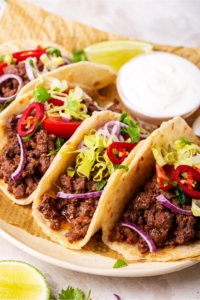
164 226
92 107
78 212
37 161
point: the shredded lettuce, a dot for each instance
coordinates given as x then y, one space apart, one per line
51 62
195 207
93 157
177 153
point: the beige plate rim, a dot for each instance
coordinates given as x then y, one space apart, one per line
83 261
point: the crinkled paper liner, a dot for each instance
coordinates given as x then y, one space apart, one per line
22 20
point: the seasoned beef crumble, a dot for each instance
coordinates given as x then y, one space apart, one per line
37 162
165 227
78 212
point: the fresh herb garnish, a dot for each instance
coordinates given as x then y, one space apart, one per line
78 55
41 95
31 63
184 140
52 298
119 263
2 57
133 130
178 191
38 126
56 89
72 294
54 51
117 167
101 184
59 143
3 105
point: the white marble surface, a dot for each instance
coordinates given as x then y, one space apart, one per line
168 22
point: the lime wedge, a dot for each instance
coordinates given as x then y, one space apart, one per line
21 281
116 53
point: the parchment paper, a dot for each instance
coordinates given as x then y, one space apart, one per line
22 20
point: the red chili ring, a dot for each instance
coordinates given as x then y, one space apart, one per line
118 145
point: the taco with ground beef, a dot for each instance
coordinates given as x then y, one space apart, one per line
156 217
35 126
72 195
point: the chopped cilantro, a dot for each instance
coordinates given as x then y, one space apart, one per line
31 63
41 95
54 51
72 294
119 263
59 143
56 89
184 140
133 130
3 105
178 191
101 184
38 126
117 167
78 55
52 298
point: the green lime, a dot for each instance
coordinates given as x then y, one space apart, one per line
21 281
116 53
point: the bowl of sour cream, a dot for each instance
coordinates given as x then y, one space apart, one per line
158 86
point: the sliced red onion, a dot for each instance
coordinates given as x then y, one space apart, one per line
118 298
29 69
112 123
18 116
100 108
148 240
66 119
66 60
161 198
10 76
124 124
20 168
143 136
71 196
121 138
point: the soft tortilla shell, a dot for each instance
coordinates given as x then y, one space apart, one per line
142 168
60 165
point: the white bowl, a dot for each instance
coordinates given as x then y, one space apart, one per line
141 114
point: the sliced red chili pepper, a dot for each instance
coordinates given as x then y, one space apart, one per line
167 173
40 47
20 56
23 122
119 146
188 190
2 66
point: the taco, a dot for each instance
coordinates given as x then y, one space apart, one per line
156 217
33 129
22 61
70 200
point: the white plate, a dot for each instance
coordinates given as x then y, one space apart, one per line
82 260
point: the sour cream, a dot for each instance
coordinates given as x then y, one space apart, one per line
160 84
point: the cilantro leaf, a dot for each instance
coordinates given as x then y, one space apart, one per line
3 105
72 294
88 297
56 89
181 197
184 140
59 143
38 126
31 63
101 184
117 167
52 298
78 55
119 263
54 51
133 130
41 95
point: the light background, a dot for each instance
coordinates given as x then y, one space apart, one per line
165 22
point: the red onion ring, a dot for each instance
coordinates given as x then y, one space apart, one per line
66 119
148 240
161 198
71 196
9 76
20 168
29 69
66 60
144 136
118 298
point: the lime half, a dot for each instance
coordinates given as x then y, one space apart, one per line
116 53
21 281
